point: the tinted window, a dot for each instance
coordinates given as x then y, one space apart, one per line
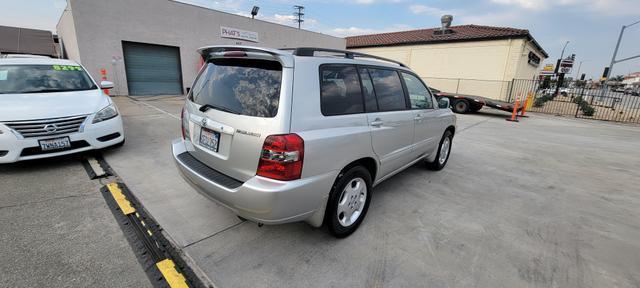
340 90
388 89
370 102
43 78
419 95
246 87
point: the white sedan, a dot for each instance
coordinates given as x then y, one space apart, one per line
52 107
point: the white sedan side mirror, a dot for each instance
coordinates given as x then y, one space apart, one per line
106 85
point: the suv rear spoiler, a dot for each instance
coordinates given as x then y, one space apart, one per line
219 51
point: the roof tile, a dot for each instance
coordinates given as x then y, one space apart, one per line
424 36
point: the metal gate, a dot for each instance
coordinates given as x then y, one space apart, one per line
152 69
580 99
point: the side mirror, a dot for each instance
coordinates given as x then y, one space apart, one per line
106 85
188 90
444 102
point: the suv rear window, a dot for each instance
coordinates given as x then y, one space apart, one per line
248 87
340 90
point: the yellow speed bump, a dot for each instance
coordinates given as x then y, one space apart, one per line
125 205
173 277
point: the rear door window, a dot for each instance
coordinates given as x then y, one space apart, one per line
248 87
340 90
388 89
419 95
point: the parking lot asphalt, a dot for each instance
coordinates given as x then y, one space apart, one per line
57 230
546 202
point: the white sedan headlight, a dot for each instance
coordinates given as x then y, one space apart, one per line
106 113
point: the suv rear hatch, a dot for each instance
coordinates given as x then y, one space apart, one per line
238 99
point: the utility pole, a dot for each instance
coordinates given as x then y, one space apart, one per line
615 52
579 66
299 13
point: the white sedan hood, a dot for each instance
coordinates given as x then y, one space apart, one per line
31 106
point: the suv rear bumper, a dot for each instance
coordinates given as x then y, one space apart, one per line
258 199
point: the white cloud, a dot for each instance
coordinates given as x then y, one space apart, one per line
369 2
609 7
428 10
526 4
353 31
506 18
222 5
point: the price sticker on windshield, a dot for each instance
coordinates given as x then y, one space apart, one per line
3 74
67 68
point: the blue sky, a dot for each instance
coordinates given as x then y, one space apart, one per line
591 26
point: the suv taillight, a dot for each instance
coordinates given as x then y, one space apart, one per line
184 123
281 157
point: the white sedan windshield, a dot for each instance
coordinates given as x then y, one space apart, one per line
43 78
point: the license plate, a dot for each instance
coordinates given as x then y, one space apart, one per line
55 144
209 139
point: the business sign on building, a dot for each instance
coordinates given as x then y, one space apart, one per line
233 33
547 70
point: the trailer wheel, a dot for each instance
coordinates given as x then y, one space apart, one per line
461 106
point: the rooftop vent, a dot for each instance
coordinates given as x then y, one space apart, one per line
446 23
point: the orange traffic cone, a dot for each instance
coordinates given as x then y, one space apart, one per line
514 114
524 107
103 73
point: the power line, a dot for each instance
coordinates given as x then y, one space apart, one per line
298 14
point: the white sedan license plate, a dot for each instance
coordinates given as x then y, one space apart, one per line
209 139
55 144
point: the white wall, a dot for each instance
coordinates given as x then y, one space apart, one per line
67 32
101 27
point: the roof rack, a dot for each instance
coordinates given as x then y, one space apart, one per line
310 52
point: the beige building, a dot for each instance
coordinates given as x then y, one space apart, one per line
466 59
148 47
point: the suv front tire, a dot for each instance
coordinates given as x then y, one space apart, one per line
444 150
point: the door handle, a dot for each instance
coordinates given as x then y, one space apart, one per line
376 123
418 117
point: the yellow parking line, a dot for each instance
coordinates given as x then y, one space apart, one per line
125 205
173 277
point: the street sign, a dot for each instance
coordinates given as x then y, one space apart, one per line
605 73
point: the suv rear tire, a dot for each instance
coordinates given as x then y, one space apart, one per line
348 202
444 150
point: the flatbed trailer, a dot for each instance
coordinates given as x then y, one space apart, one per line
462 103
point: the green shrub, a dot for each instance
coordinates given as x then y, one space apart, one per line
588 110
578 100
539 102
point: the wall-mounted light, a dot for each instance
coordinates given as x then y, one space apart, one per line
254 11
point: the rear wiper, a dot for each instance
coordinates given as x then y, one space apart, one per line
206 107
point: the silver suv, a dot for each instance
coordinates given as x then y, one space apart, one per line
304 134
